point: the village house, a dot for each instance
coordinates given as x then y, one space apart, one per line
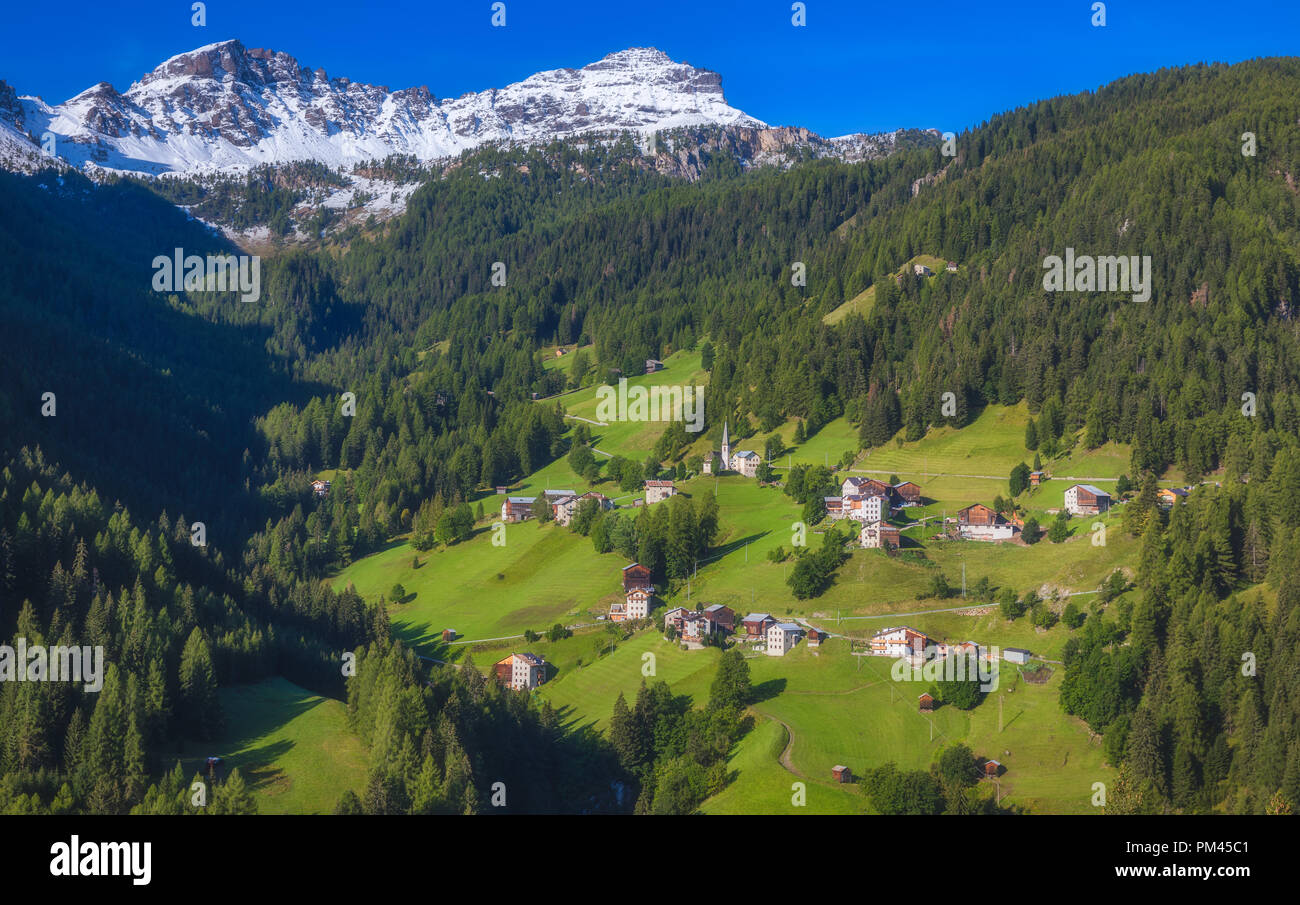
319 487
636 605
870 508
1168 497
756 625
864 487
782 637
722 619
952 267
879 535
676 617
521 671
980 522
907 494
1016 655
1036 478
746 462
563 509
638 595
566 507
899 641
691 627
1085 499
656 491
652 365
561 352
922 271
516 509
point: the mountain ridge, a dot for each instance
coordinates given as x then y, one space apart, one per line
225 106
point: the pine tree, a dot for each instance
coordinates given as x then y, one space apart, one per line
199 705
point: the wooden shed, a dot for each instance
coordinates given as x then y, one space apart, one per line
992 768
925 703
448 634
841 773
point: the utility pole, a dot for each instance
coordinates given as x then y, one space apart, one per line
963 576
1000 713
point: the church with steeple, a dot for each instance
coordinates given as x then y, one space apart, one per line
745 461
715 464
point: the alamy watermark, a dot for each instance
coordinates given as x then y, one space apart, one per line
37 663
930 664
215 273
1108 273
655 403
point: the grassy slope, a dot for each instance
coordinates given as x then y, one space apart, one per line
293 747
862 302
548 575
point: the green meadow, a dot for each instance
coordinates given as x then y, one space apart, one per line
760 785
293 748
542 575
585 695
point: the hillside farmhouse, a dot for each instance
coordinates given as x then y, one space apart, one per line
565 507
638 595
713 621
879 536
756 625
1085 499
516 509
980 522
521 671
899 641
782 637
655 491
1168 497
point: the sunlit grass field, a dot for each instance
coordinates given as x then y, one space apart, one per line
293 748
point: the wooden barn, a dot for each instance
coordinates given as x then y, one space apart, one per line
925 703
841 773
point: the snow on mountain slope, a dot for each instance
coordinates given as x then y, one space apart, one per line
227 107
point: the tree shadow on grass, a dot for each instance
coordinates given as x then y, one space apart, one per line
765 691
570 722
733 546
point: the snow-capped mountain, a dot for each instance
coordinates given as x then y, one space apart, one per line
228 107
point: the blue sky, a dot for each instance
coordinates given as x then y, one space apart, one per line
856 66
